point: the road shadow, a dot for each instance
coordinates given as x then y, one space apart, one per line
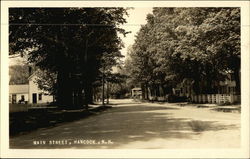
122 125
24 122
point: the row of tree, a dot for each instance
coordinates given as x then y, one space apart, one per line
199 44
75 48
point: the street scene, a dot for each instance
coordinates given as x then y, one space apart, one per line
134 125
125 78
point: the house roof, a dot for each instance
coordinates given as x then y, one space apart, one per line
32 75
24 88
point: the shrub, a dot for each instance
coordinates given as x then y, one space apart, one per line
174 98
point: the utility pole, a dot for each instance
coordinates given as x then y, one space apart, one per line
85 73
107 92
103 103
85 81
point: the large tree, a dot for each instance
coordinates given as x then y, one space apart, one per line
68 42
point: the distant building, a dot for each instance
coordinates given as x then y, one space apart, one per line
136 93
18 93
228 86
225 91
185 88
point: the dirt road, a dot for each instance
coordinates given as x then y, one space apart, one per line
131 125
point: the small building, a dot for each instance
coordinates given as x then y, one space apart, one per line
28 93
18 93
136 93
225 91
184 88
37 95
228 86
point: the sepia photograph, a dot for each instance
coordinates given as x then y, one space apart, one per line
126 77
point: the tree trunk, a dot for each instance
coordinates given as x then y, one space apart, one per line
86 80
161 90
196 86
143 91
103 103
64 94
237 81
146 87
207 85
89 93
107 92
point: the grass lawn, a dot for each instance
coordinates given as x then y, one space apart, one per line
18 107
24 107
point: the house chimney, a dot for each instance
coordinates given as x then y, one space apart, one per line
30 70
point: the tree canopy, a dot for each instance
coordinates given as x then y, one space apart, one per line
19 74
200 44
68 42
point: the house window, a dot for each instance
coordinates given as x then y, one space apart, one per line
13 98
40 96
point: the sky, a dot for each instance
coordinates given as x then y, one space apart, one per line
137 17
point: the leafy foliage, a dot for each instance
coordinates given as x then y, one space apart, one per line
19 74
200 44
68 42
46 81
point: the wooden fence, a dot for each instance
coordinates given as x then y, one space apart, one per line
215 98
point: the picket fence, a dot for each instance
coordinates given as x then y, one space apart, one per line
215 98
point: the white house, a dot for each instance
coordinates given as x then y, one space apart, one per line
28 93
18 93
35 94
